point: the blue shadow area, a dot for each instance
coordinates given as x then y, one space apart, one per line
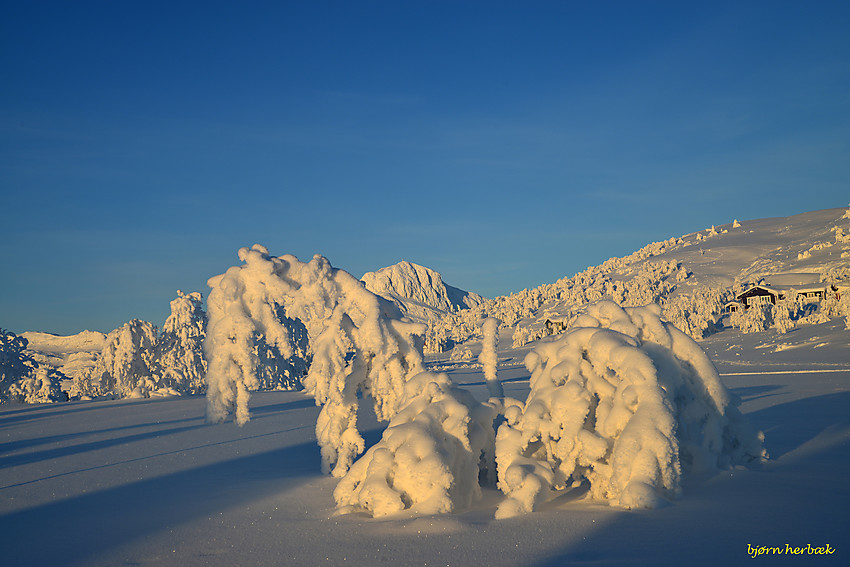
796 501
69 531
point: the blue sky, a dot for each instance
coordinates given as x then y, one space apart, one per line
504 144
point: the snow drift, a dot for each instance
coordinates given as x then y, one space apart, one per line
624 401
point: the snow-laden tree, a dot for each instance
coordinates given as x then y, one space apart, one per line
314 316
488 358
753 319
430 457
40 386
783 315
623 401
128 360
15 363
179 352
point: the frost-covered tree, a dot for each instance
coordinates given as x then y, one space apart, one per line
179 352
753 319
623 401
128 360
21 378
15 363
430 457
489 358
352 342
40 386
783 315
461 353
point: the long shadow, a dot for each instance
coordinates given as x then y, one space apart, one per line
282 407
58 452
90 524
786 501
11 446
29 413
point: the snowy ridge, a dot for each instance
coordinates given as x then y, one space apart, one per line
85 341
691 276
419 292
72 355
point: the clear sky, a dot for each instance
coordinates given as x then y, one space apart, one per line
504 144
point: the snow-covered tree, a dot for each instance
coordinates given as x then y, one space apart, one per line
783 315
40 386
753 319
489 358
15 363
179 353
22 379
623 401
314 316
431 455
128 360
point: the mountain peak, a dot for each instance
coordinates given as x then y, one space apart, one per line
418 291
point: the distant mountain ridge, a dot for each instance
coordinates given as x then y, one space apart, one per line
419 292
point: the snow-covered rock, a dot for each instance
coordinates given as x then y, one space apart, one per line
419 292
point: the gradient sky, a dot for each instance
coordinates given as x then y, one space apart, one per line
504 144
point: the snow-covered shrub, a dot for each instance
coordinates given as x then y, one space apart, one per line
128 360
520 336
461 353
489 358
624 401
15 363
753 319
40 386
319 320
91 381
783 315
179 351
21 378
430 457
696 314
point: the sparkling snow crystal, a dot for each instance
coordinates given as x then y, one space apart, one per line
623 401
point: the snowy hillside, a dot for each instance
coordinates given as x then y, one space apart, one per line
692 276
419 292
72 355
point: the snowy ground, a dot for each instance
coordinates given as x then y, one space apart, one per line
147 482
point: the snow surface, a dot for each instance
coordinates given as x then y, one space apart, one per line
147 482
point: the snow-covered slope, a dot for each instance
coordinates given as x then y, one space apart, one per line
691 276
808 243
419 292
72 355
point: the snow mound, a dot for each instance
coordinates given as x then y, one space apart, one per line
624 401
429 458
419 292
